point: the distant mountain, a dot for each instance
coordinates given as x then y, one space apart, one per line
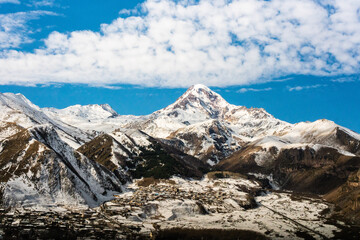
79 112
200 123
199 104
91 118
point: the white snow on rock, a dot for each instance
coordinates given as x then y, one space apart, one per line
278 215
63 176
195 112
78 113
16 108
351 133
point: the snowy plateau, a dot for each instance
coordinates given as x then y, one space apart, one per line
200 168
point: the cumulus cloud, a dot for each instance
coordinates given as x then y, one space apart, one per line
299 88
14 29
244 90
214 42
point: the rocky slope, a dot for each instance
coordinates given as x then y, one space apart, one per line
310 157
347 197
149 157
38 168
217 204
314 157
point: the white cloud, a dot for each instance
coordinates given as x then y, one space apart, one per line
42 3
111 87
344 80
14 30
214 42
10 1
299 88
125 11
244 90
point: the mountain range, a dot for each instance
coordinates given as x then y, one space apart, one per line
86 154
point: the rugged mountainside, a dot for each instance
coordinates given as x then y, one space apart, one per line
314 157
90 151
149 158
310 157
38 162
38 168
347 197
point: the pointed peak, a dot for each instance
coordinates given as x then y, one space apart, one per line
200 87
108 108
18 99
201 92
14 96
199 96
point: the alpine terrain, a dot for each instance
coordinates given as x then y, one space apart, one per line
198 167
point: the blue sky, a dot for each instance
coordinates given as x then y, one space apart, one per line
69 15
299 60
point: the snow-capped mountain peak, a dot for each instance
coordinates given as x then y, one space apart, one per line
200 104
11 99
199 96
108 108
16 108
87 112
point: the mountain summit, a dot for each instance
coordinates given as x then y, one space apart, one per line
83 112
200 104
203 124
197 104
200 97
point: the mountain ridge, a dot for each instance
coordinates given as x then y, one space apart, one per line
199 132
